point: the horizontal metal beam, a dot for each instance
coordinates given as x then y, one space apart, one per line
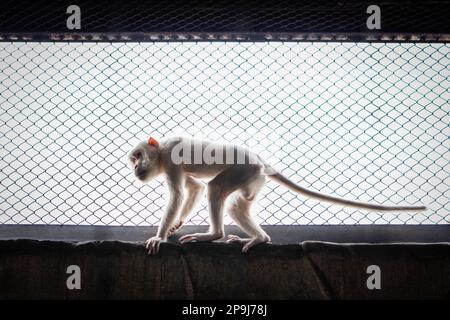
224 37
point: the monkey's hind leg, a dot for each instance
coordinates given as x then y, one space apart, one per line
239 211
219 189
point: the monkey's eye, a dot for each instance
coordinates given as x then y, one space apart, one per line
136 157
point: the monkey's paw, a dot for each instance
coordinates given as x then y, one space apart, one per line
175 228
152 245
199 237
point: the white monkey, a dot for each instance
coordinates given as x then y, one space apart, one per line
236 175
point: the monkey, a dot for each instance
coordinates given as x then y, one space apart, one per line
235 174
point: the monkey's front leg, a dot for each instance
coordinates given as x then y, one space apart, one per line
169 217
195 190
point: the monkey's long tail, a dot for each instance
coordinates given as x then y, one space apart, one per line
348 203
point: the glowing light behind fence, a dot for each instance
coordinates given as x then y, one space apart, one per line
361 121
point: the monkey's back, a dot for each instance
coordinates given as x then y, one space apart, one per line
203 158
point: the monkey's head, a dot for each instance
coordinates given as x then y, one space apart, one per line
144 160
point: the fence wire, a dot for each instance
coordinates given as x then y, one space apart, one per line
368 122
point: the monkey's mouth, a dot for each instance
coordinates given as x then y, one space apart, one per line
141 175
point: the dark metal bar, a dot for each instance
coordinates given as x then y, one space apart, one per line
224 37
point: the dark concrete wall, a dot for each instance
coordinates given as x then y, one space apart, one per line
312 270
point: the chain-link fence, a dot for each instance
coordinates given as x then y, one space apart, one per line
362 121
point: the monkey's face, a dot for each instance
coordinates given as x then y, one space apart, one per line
144 161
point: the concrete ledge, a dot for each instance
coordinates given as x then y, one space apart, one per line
279 234
35 269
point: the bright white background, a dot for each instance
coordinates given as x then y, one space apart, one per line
368 122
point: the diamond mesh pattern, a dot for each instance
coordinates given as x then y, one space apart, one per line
29 16
363 121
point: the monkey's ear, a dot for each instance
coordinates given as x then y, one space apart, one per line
153 142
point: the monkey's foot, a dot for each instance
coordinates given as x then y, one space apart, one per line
247 242
199 237
175 228
236 239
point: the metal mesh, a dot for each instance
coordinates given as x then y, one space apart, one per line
229 16
363 121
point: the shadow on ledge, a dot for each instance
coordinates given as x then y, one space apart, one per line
33 269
